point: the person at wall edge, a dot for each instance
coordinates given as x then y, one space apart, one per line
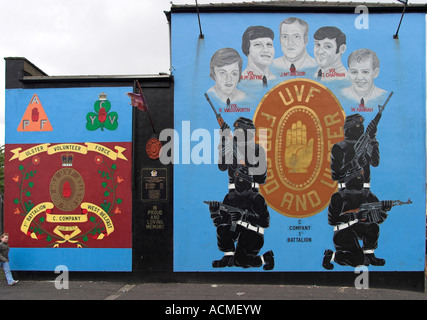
4 259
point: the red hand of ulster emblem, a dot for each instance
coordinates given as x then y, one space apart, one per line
66 190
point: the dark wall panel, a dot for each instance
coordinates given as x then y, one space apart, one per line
153 194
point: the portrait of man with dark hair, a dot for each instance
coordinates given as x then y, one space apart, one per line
258 46
329 46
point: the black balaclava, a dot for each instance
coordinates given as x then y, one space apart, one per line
353 126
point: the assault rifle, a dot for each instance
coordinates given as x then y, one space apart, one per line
374 208
228 209
218 115
221 123
363 145
378 205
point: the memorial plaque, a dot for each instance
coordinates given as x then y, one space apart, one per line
153 185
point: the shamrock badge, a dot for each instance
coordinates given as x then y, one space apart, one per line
102 118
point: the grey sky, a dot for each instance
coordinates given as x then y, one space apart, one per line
89 37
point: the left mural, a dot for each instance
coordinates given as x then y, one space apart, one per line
68 196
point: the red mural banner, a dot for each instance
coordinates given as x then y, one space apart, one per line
69 195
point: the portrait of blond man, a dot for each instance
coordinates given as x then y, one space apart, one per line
363 69
226 70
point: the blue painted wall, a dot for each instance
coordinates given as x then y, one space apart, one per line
401 134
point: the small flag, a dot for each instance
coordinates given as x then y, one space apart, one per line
138 100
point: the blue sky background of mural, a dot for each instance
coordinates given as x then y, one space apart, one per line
102 37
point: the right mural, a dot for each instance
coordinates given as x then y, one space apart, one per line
300 142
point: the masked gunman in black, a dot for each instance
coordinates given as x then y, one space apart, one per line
343 155
351 224
241 220
240 148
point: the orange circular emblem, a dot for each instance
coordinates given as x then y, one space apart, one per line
302 120
153 148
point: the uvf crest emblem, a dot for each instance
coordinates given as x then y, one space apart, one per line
303 120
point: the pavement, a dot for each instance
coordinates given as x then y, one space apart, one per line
171 293
103 290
